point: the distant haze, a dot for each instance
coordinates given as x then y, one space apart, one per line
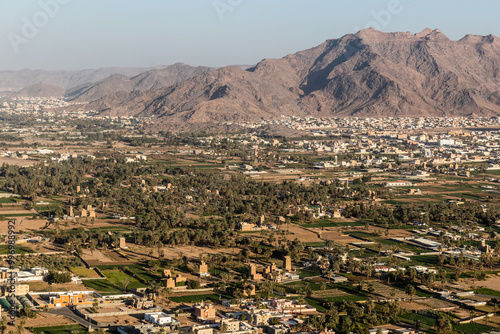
75 35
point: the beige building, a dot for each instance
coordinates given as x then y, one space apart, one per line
20 290
232 325
204 311
203 270
287 263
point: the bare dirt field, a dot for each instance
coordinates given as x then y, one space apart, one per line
414 306
121 320
493 321
17 162
115 256
96 255
336 236
492 282
302 234
26 225
48 320
44 286
433 303
16 211
44 247
192 252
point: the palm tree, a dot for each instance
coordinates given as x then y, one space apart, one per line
166 293
410 290
3 325
443 325
20 328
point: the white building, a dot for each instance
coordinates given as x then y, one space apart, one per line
159 318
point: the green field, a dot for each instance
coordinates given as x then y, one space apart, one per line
47 208
60 329
309 273
486 291
315 244
102 286
7 200
316 304
84 272
360 235
413 317
302 284
117 277
143 273
136 269
4 249
426 260
110 228
348 298
472 328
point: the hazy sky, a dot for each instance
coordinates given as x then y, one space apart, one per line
142 33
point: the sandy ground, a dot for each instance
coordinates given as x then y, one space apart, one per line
301 234
492 282
26 225
121 320
192 252
44 287
136 254
433 303
96 255
493 322
16 211
18 162
115 256
413 306
337 236
48 320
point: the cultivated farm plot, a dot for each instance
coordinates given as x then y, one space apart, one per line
136 269
85 272
387 291
61 329
117 277
95 257
115 256
102 286
330 293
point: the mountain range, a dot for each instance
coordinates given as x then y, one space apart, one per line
17 80
367 74
96 87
